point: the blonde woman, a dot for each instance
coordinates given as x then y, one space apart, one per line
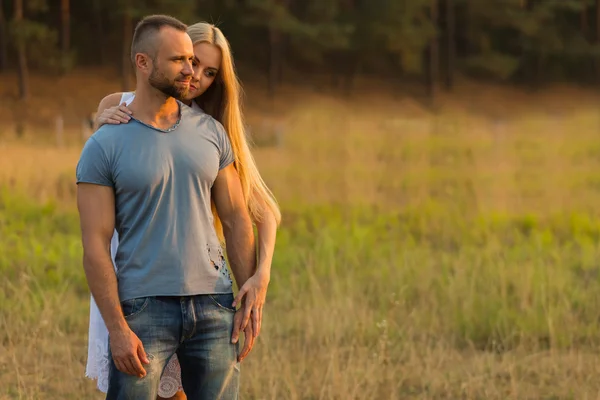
215 90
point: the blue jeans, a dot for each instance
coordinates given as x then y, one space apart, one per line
197 328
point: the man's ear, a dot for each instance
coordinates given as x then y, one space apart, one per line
143 62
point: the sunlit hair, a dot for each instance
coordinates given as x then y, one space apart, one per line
222 100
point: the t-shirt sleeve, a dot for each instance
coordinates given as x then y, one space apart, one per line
93 165
225 151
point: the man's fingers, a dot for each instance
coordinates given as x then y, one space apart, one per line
142 354
137 366
128 366
239 296
120 366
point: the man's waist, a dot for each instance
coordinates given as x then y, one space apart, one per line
127 292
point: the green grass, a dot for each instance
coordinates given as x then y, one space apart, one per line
439 257
348 283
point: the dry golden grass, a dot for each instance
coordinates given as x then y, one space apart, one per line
420 257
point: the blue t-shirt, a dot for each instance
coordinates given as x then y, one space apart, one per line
162 182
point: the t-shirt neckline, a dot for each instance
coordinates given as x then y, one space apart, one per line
169 129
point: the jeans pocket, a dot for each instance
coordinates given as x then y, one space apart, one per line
133 307
223 301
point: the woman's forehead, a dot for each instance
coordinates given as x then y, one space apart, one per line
208 54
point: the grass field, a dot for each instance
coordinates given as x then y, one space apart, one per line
420 257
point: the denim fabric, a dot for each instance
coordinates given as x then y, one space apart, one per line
198 329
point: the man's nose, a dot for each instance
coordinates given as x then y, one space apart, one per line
188 69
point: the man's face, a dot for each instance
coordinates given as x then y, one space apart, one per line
172 67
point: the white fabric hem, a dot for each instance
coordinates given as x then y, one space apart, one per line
98 363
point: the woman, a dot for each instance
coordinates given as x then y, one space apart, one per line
215 89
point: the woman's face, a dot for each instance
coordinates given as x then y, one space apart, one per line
206 66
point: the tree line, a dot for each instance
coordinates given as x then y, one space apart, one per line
525 42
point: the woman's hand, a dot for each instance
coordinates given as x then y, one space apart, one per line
114 115
252 295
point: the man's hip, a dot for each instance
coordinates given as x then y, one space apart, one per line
198 329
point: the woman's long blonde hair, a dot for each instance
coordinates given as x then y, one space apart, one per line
222 101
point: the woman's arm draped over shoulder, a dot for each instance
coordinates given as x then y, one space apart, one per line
112 100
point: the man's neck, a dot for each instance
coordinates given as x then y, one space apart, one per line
154 108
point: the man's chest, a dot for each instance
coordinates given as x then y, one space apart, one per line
165 162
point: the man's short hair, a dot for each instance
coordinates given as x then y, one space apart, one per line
145 31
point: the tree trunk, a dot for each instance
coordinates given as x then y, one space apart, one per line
597 21
99 30
126 57
531 60
3 39
451 43
585 28
282 48
597 35
276 53
65 27
21 51
433 57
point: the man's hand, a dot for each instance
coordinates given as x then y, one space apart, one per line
252 295
248 334
128 352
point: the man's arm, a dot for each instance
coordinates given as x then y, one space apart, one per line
237 227
239 240
96 204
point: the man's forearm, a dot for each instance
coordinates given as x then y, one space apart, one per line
102 282
240 245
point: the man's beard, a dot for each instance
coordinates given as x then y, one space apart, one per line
159 81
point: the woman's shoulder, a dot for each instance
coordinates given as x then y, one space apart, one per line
114 99
126 97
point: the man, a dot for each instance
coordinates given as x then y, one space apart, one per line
153 179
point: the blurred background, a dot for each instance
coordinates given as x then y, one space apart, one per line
436 162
